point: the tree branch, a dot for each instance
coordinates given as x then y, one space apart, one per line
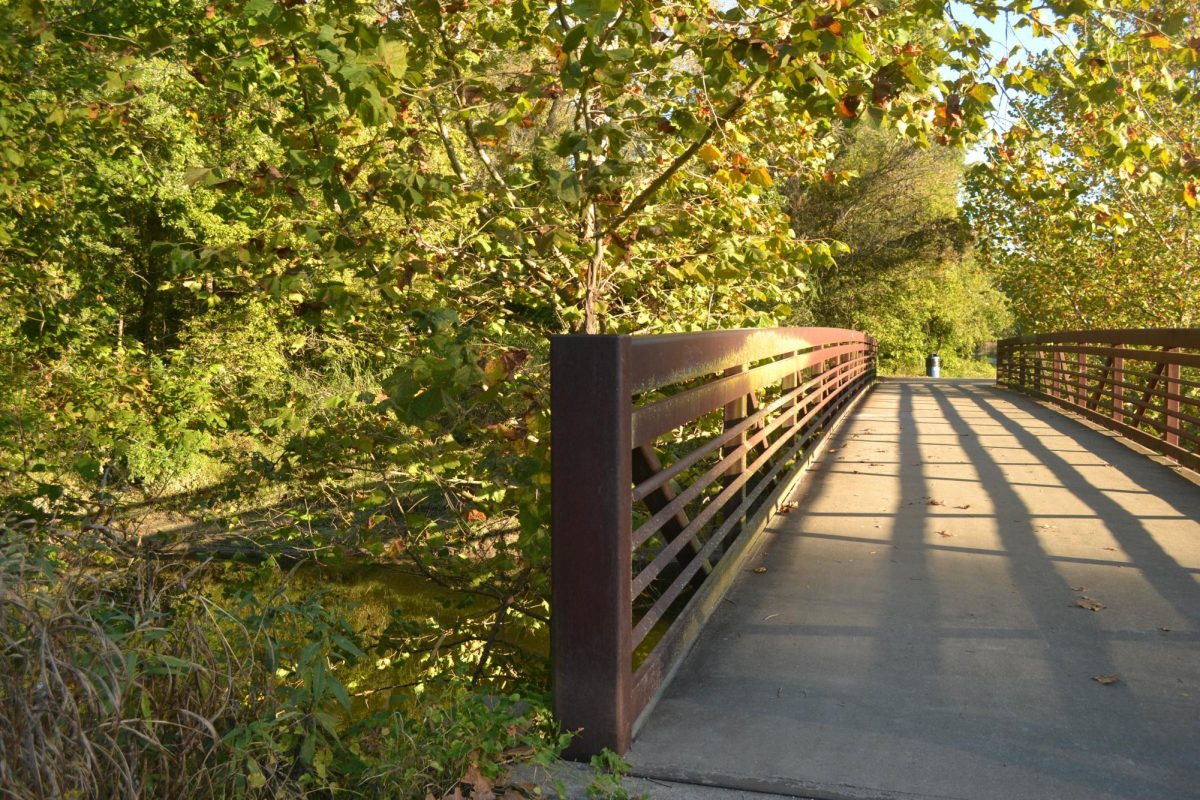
643 198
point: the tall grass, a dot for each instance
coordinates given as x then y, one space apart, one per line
120 677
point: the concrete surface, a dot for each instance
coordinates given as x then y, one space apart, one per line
570 781
917 634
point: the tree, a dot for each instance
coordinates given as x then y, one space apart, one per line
1086 207
907 273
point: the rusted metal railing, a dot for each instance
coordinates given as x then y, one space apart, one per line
1145 384
669 455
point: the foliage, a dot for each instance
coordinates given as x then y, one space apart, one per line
907 274
288 269
134 683
1086 206
609 769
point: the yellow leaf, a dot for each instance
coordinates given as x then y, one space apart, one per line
1189 194
1157 40
709 154
760 176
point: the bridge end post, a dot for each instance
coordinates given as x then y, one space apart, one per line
591 545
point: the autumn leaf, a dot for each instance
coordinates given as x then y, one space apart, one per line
481 787
847 107
1158 41
759 570
829 23
1090 603
1189 194
709 154
1105 680
760 177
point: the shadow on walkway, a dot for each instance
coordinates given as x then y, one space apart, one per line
917 633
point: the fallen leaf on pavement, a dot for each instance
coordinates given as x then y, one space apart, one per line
937 502
964 506
1105 680
943 533
759 570
1091 604
787 508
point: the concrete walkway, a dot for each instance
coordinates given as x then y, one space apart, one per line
917 633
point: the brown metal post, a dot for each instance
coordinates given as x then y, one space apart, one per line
789 383
1118 391
1172 417
591 546
1080 379
735 412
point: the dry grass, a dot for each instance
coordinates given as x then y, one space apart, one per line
106 689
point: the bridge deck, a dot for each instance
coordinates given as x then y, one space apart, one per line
916 633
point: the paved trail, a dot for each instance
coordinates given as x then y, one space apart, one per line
917 634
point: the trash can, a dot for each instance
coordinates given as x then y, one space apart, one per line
933 366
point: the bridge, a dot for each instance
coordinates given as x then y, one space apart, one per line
775 573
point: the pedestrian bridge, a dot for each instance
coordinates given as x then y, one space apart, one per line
892 589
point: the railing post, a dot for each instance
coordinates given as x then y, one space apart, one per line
1171 419
1118 391
736 411
790 382
591 549
1080 379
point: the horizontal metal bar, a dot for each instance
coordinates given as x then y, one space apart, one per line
1152 389
723 438
674 358
655 419
671 594
651 526
1157 356
1156 337
1185 457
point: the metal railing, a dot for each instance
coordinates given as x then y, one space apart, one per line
1145 384
669 454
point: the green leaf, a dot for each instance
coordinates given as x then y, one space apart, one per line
858 46
573 38
394 56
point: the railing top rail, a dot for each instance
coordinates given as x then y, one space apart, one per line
1154 337
673 358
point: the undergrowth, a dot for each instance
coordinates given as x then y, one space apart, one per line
121 677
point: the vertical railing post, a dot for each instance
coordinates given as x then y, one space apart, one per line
736 411
1171 419
1059 390
1080 379
790 382
1118 390
591 548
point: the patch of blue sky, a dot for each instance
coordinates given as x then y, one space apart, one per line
1007 41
